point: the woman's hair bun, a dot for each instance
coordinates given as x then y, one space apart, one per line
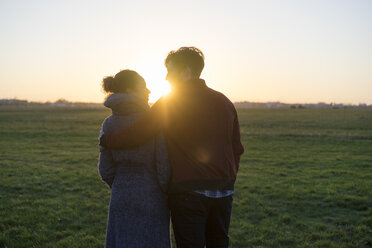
109 84
123 80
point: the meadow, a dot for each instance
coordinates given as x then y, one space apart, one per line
305 179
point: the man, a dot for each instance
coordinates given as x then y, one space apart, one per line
202 133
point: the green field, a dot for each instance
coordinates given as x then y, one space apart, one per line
305 179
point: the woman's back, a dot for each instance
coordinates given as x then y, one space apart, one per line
138 212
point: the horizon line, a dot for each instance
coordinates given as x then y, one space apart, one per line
235 102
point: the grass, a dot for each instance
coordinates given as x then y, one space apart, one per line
305 179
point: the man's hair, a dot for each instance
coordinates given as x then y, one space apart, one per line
185 57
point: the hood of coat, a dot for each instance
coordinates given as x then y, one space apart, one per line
125 104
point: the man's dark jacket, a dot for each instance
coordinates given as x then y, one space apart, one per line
202 133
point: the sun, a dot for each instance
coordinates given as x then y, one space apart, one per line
158 89
155 81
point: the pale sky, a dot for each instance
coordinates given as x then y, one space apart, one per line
279 50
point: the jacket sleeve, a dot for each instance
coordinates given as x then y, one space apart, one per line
236 142
139 132
106 165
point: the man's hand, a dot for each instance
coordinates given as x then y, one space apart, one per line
139 132
102 141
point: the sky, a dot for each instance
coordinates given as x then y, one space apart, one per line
291 51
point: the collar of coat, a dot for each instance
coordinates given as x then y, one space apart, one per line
125 104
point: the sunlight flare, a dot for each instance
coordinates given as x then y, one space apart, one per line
158 89
155 80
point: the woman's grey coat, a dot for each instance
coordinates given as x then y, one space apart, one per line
138 178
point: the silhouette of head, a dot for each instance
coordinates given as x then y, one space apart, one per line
184 64
126 81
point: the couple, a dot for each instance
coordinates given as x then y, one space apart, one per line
179 157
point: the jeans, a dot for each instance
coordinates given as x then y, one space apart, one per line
200 221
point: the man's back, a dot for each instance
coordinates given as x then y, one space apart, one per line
202 133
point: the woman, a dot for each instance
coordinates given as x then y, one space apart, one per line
138 212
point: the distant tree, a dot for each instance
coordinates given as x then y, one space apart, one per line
61 101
